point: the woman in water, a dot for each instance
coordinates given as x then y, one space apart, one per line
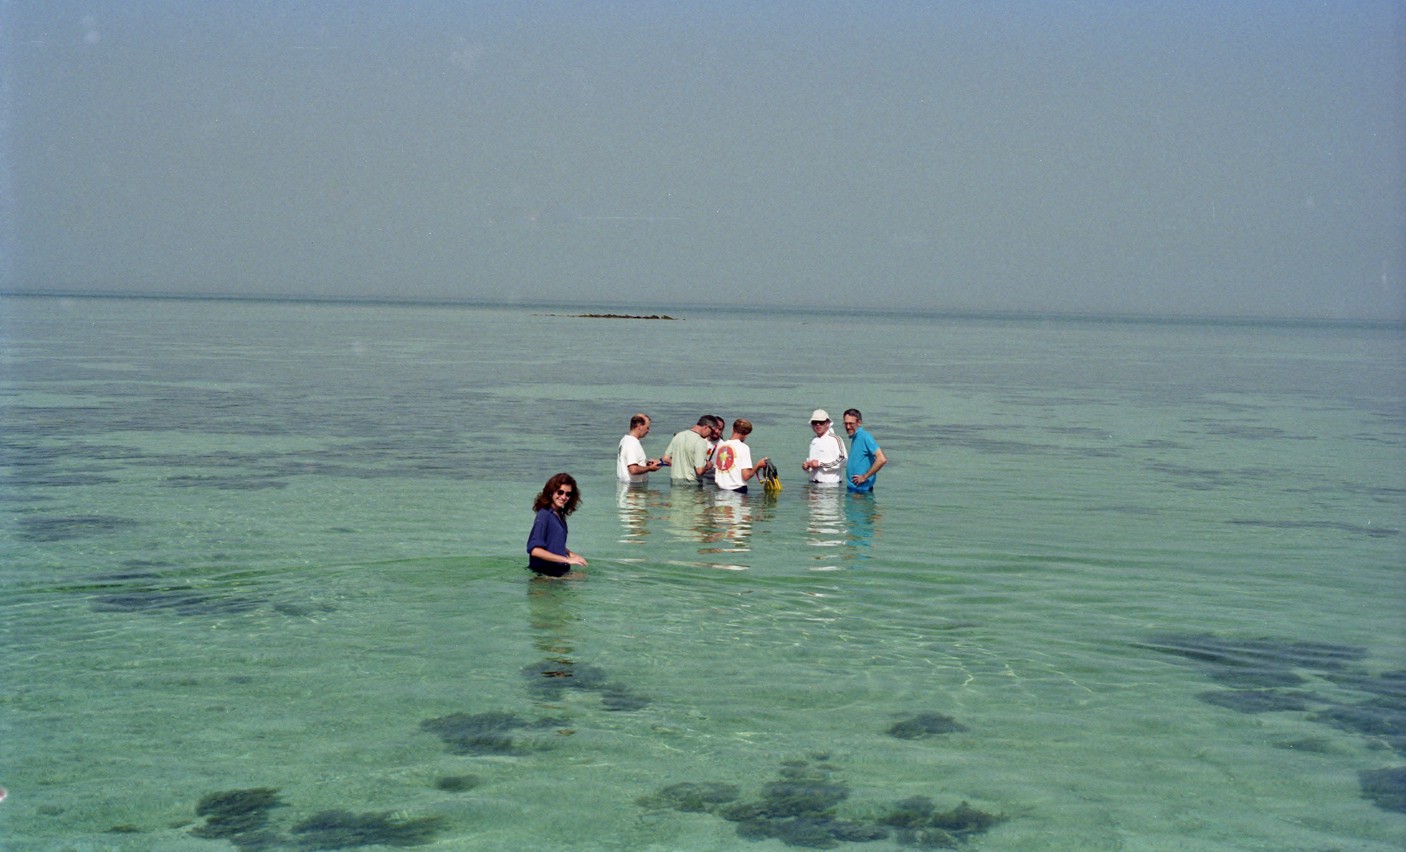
547 554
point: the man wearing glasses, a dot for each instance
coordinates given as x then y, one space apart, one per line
826 461
687 454
865 457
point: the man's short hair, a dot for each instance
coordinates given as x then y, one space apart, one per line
638 420
854 412
742 427
707 420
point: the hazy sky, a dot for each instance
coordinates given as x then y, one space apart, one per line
1185 156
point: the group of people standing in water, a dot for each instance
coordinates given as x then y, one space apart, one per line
697 456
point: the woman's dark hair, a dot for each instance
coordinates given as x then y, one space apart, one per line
544 500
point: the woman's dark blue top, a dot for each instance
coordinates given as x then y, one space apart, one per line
549 531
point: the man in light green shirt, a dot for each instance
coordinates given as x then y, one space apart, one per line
687 454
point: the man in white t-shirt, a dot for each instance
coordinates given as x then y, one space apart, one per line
827 452
631 464
732 462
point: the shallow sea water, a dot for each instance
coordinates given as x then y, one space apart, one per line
1125 585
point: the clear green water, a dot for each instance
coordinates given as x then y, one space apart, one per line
255 545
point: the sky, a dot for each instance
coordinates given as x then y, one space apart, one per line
1184 157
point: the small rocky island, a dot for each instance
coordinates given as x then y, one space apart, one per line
627 316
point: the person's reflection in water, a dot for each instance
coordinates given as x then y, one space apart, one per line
553 620
863 515
689 511
559 680
552 617
825 527
633 501
729 524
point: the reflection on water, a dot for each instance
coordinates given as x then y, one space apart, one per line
632 501
686 508
722 527
561 673
552 614
862 515
728 523
826 524
844 525
707 521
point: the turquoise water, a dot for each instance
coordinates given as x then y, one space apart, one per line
1123 585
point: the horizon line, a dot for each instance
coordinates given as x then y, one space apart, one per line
937 313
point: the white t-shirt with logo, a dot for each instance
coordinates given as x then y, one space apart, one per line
729 460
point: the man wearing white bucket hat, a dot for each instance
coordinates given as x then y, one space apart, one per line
826 462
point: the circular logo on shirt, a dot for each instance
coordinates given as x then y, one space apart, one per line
727 456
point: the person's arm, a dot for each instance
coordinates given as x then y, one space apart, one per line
572 557
817 461
836 464
538 538
701 456
879 461
748 471
637 462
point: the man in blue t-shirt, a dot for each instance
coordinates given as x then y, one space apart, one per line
865 457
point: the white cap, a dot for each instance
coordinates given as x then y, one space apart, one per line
818 415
